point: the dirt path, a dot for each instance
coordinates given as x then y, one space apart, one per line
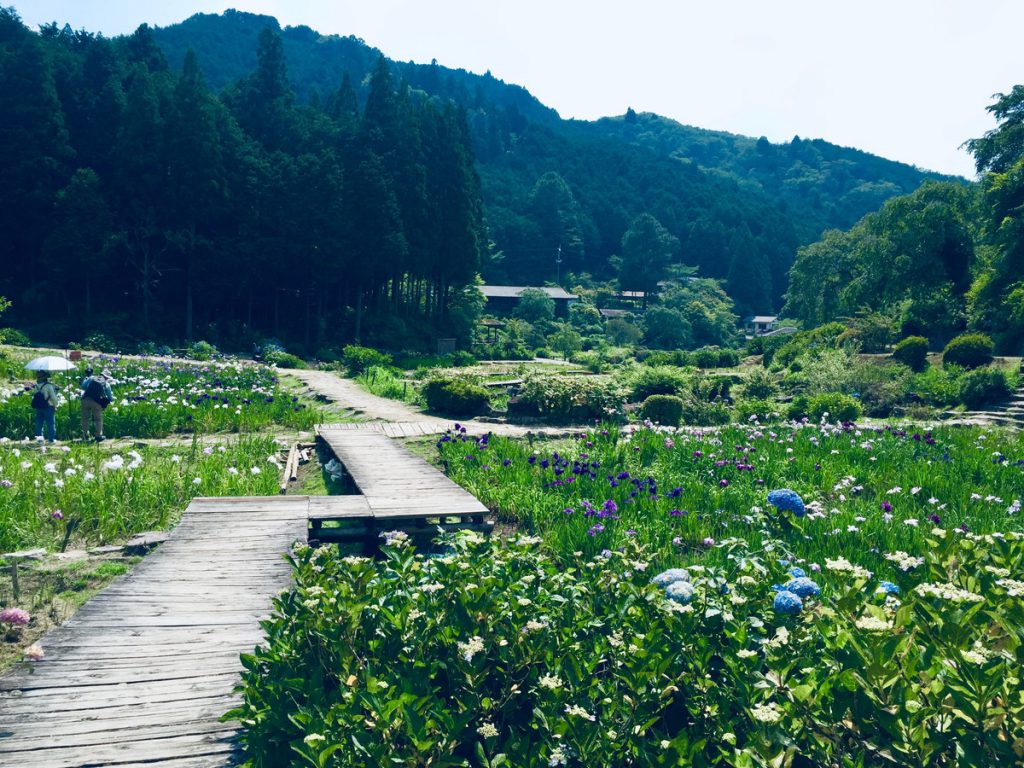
393 413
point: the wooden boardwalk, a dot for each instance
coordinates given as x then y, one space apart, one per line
396 484
142 673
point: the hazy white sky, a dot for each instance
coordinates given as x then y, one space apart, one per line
905 79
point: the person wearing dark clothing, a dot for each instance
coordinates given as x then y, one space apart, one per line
96 395
44 403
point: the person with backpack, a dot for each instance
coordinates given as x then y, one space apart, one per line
44 403
96 396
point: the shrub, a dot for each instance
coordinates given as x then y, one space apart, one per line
456 397
660 380
714 357
699 412
912 352
760 385
462 358
100 342
762 410
570 398
284 360
832 407
14 337
939 387
983 386
621 332
970 350
357 359
199 350
666 410
879 388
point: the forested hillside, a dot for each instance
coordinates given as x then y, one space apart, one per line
225 178
550 183
139 203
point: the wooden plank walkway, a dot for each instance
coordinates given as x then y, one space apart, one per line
143 671
397 484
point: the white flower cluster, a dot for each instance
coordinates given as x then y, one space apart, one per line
873 624
843 565
949 592
766 713
578 711
904 561
1013 587
471 648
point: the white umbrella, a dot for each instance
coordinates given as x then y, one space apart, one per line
49 363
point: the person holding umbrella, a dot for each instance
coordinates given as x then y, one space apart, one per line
44 394
44 403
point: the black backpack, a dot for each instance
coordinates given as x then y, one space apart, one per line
39 400
94 391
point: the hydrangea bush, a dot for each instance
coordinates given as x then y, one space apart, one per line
499 653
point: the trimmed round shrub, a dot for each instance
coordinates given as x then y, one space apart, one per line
657 380
983 386
762 410
666 410
912 352
199 350
357 359
101 342
971 350
456 397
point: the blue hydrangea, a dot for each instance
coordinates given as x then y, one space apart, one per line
679 591
787 501
889 588
788 603
665 578
802 587
797 573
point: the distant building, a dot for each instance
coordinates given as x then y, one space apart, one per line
505 298
759 325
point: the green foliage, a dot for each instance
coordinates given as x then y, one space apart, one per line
759 384
357 359
201 350
984 386
760 410
622 332
101 342
970 350
647 250
937 386
107 495
390 383
282 359
714 357
646 380
666 328
535 306
912 352
880 389
666 410
871 331
569 399
707 308
565 341
455 396
15 337
829 407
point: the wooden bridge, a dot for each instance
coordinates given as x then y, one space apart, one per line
142 673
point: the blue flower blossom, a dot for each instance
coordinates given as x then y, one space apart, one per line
671 576
797 573
788 603
888 588
679 591
802 587
786 500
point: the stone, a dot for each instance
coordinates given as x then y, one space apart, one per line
25 554
110 549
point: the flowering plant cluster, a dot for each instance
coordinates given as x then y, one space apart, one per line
98 495
832 490
505 653
157 398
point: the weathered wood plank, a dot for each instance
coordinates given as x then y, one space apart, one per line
141 674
